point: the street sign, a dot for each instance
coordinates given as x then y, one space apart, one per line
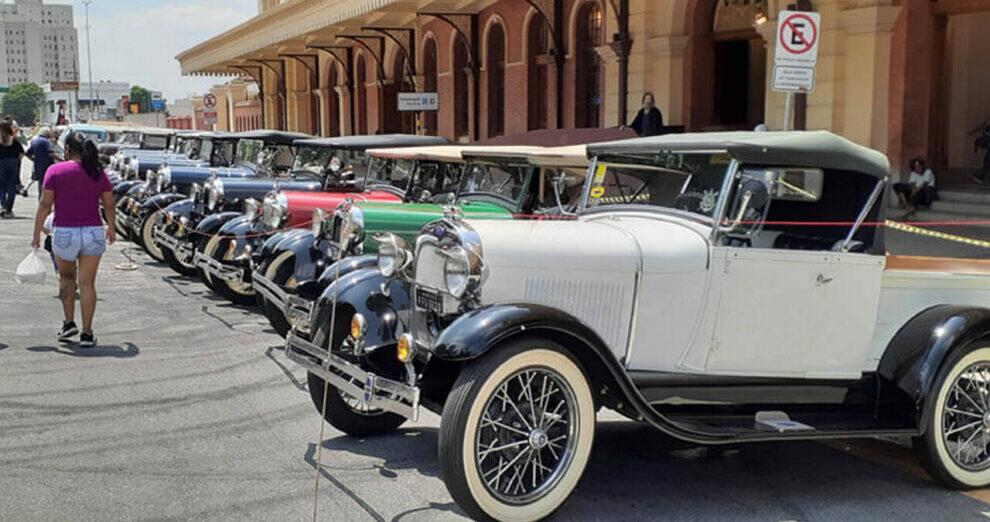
793 79
798 34
418 101
64 86
209 101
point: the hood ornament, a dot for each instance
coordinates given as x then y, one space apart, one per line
453 212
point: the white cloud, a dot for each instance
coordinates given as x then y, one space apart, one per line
138 43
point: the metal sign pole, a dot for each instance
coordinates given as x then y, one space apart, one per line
789 112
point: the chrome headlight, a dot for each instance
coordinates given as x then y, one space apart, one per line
319 218
457 271
251 209
348 231
214 193
166 175
194 191
394 254
276 210
152 182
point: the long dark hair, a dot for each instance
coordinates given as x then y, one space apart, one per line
77 143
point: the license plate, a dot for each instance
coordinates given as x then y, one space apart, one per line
429 300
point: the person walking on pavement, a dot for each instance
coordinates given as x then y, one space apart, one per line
75 189
649 119
11 152
39 151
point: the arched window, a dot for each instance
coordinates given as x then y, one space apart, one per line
361 96
495 69
538 49
430 83
461 88
588 36
332 102
396 121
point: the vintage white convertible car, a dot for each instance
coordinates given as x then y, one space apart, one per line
722 288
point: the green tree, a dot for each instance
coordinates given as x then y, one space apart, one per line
142 97
23 102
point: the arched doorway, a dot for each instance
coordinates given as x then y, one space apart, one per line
332 101
588 36
495 74
538 58
361 95
396 121
430 75
725 66
461 87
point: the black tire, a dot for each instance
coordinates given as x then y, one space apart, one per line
342 416
461 430
146 231
225 289
174 264
936 455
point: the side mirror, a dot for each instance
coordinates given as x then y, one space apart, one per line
752 195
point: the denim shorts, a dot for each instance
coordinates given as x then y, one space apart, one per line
69 243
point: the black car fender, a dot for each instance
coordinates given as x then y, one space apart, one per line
336 270
245 231
912 360
210 225
180 208
360 291
124 187
159 202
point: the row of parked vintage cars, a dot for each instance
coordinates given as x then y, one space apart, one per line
722 288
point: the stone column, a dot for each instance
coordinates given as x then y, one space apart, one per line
344 98
658 67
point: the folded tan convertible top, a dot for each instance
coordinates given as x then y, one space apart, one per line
951 265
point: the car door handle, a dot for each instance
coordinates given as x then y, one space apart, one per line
822 280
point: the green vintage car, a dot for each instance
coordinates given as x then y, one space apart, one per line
489 183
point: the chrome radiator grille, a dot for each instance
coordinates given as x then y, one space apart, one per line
429 266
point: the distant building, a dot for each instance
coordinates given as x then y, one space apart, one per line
38 43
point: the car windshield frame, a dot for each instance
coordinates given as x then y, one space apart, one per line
600 164
322 155
492 197
376 165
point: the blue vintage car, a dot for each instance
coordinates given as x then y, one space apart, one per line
257 154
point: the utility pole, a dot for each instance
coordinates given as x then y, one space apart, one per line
89 59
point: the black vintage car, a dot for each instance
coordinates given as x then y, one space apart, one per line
140 138
253 154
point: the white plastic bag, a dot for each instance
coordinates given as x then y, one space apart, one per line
33 269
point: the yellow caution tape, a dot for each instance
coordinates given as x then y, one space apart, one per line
936 234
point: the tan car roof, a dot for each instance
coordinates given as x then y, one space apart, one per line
446 153
571 156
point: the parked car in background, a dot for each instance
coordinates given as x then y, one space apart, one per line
722 288
254 154
494 183
146 138
347 172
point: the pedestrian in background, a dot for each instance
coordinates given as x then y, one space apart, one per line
649 119
40 152
58 152
11 152
919 191
75 189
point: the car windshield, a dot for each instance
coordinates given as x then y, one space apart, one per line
436 180
221 153
129 137
390 172
691 182
247 150
190 147
155 141
494 181
313 159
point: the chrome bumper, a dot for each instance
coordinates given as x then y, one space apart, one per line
124 219
298 311
183 250
366 387
217 269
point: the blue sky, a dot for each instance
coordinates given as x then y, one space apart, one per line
136 40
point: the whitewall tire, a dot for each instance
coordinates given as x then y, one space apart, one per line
956 444
523 411
148 227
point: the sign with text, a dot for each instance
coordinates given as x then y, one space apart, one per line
418 101
209 101
64 86
793 79
797 38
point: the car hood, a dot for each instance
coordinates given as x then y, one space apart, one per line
406 220
302 204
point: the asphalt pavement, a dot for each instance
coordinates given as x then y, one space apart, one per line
188 410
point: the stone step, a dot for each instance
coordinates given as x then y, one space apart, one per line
972 196
933 216
976 210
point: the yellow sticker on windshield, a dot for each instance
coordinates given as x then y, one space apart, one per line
600 174
721 159
597 192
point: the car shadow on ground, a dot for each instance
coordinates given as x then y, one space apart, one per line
637 473
126 351
4 346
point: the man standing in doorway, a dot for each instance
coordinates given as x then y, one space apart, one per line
649 119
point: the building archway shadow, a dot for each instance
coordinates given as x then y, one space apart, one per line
126 351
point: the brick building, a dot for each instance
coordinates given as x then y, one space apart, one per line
908 77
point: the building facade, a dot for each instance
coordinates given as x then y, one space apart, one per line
906 77
38 43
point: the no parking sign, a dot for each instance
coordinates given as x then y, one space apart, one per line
798 34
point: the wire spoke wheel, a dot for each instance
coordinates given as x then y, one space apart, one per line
966 418
526 436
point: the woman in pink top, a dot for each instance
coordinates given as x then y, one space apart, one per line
76 188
